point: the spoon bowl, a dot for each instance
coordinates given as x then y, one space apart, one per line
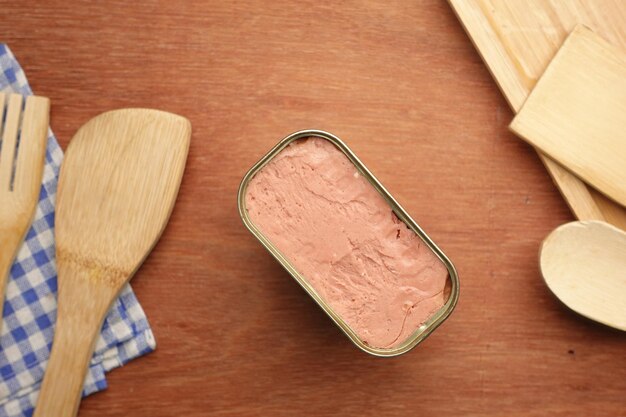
584 265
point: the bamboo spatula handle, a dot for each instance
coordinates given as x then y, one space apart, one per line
79 320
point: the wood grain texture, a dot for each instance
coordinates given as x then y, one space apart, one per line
583 264
401 83
517 39
117 187
21 169
576 112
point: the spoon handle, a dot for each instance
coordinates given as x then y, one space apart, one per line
81 311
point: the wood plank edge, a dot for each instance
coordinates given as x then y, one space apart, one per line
574 191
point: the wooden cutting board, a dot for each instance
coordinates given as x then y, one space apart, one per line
576 112
517 40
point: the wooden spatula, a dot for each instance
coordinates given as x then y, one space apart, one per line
117 187
576 112
21 169
584 264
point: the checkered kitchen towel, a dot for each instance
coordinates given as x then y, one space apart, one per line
30 306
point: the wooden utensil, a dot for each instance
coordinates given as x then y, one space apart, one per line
117 187
576 112
21 169
517 46
584 265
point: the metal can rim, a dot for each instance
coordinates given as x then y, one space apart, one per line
425 329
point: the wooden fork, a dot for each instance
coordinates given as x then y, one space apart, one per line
24 130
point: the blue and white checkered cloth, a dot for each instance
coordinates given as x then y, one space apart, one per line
30 306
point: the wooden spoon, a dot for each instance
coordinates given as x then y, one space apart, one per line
584 265
117 187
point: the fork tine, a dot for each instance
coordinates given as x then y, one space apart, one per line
2 100
32 149
3 97
9 140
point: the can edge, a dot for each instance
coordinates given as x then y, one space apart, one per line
427 327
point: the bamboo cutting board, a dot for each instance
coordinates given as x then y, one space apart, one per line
576 111
517 39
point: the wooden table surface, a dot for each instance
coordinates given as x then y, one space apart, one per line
402 84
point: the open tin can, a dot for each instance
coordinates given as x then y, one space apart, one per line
453 281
